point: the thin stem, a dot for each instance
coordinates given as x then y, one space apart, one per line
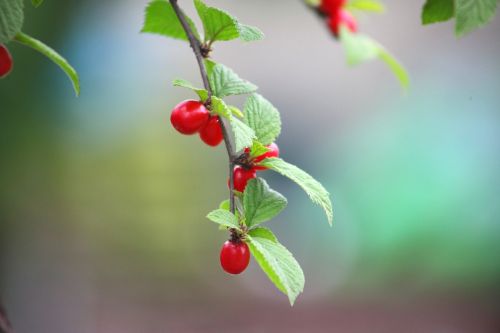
196 46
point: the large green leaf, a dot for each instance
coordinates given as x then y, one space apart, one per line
438 11
243 135
277 262
473 14
11 19
263 118
261 203
52 55
161 19
224 82
221 26
360 48
311 186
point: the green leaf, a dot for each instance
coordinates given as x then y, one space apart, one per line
218 24
261 203
11 19
366 5
236 112
225 205
438 11
277 262
220 107
473 14
36 3
312 187
258 149
224 217
263 118
224 82
52 55
202 93
221 26
361 48
249 33
161 19
243 135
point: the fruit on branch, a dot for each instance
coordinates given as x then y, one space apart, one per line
330 7
342 17
189 116
211 133
241 176
6 62
274 151
234 256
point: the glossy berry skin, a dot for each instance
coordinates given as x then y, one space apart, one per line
211 133
6 62
330 7
189 117
241 177
274 151
342 17
234 256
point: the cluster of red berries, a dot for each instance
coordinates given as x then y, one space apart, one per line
191 117
338 16
5 61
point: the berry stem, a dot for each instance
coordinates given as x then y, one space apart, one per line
197 49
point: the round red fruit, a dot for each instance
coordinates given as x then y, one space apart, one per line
331 6
6 62
211 133
189 117
342 17
234 256
241 176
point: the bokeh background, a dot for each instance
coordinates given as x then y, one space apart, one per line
102 203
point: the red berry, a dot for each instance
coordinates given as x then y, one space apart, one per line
211 133
342 17
331 6
234 256
274 151
189 117
5 61
241 176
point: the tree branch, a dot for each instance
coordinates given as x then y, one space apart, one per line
4 322
196 46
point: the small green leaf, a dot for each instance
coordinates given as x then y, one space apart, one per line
218 24
366 5
224 82
261 203
161 19
263 118
311 186
220 107
236 112
360 48
223 217
243 135
221 26
258 149
249 33
277 262
36 3
225 205
202 93
11 19
438 11
52 55
473 14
